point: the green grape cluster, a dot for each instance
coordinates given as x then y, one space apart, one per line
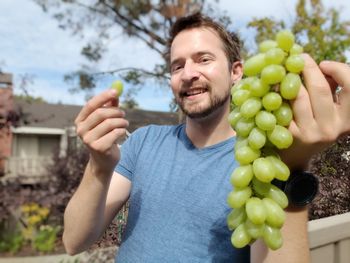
260 116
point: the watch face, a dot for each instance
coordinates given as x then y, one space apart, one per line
302 188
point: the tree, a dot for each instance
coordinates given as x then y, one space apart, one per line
317 29
145 20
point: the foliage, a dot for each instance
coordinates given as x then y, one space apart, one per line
317 29
145 21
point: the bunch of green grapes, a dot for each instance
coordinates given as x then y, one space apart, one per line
260 116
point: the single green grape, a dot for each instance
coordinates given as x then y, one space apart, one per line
296 49
240 96
118 86
251 107
273 74
261 188
272 237
240 142
240 237
275 194
275 216
242 176
283 114
267 45
245 155
236 217
274 56
265 120
244 126
256 210
258 88
256 138
295 64
285 40
234 116
239 197
280 137
272 101
254 65
290 86
254 230
263 170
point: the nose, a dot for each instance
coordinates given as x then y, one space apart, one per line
190 71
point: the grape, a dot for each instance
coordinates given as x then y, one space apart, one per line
280 137
274 56
236 217
254 65
256 138
244 126
260 115
295 64
263 170
285 40
296 50
273 74
267 45
234 116
242 176
272 237
256 210
118 86
272 101
258 88
240 237
283 114
251 107
277 195
245 155
254 230
290 86
265 120
275 215
239 197
240 96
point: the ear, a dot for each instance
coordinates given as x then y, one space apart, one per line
236 72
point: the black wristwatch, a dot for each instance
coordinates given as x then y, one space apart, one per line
301 187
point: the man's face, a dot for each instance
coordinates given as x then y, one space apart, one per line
200 75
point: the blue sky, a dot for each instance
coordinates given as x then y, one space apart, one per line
31 43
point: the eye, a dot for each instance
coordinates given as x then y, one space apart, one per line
204 59
176 67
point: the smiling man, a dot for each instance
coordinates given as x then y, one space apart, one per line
177 177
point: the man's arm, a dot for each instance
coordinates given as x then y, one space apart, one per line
102 192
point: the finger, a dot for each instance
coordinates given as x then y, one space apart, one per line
320 93
113 103
95 103
105 143
340 73
302 110
96 117
104 128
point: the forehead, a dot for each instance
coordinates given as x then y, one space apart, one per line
196 40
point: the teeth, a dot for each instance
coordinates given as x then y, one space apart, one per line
194 92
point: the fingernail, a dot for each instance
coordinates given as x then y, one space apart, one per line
113 92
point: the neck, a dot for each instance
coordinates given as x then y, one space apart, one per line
210 130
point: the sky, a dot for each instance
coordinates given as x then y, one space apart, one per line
32 44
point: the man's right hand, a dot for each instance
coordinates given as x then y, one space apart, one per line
100 124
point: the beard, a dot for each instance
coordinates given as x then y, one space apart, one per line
203 111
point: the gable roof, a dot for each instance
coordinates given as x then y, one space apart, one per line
41 114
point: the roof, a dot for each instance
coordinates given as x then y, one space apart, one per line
41 114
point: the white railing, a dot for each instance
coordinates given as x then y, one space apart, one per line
26 167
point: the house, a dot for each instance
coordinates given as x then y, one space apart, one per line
43 128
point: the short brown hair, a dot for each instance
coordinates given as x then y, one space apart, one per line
230 40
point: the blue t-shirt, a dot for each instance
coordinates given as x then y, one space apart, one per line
178 197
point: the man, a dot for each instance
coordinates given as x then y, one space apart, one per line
177 177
